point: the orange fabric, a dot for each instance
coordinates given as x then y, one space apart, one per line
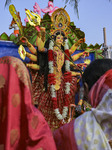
16 31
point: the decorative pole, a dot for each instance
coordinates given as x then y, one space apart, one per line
105 53
104 35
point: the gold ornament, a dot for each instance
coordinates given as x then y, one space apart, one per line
33 18
87 61
22 52
60 21
16 17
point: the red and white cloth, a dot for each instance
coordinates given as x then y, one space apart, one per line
93 129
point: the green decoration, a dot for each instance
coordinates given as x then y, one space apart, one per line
12 37
4 36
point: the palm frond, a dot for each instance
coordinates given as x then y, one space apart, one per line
66 1
74 3
7 2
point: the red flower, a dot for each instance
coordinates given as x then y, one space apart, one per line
51 79
66 99
54 100
50 55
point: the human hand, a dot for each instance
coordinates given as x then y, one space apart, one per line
82 40
85 54
24 40
42 29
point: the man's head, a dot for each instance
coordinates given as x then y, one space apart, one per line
93 72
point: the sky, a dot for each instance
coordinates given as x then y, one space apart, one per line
94 15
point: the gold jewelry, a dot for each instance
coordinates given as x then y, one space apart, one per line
60 21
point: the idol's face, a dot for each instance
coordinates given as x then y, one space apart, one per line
59 39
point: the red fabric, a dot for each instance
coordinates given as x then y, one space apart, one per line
66 99
54 100
67 77
64 137
22 126
67 53
99 88
44 101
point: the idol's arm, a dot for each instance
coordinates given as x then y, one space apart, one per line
33 66
74 46
29 45
31 56
40 41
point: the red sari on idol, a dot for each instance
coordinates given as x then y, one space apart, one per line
93 129
22 127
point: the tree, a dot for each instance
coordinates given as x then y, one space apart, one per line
7 2
74 3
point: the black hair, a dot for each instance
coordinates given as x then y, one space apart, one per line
59 33
42 61
95 70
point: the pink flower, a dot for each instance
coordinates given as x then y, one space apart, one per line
26 20
37 9
49 9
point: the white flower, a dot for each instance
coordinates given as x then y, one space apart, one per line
57 113
50 66
51 44
66 44
53 93
67 88
65 111
64 114
67 65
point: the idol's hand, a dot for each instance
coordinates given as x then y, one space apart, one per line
73 73
82 40
33 66
32 57
85 54
42 29
24 40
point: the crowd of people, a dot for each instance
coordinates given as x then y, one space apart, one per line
34 112
23 127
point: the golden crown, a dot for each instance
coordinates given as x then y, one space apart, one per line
60 21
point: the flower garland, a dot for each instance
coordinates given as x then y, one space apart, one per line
52 82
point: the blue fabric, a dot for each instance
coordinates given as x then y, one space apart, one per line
81 60
8 48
